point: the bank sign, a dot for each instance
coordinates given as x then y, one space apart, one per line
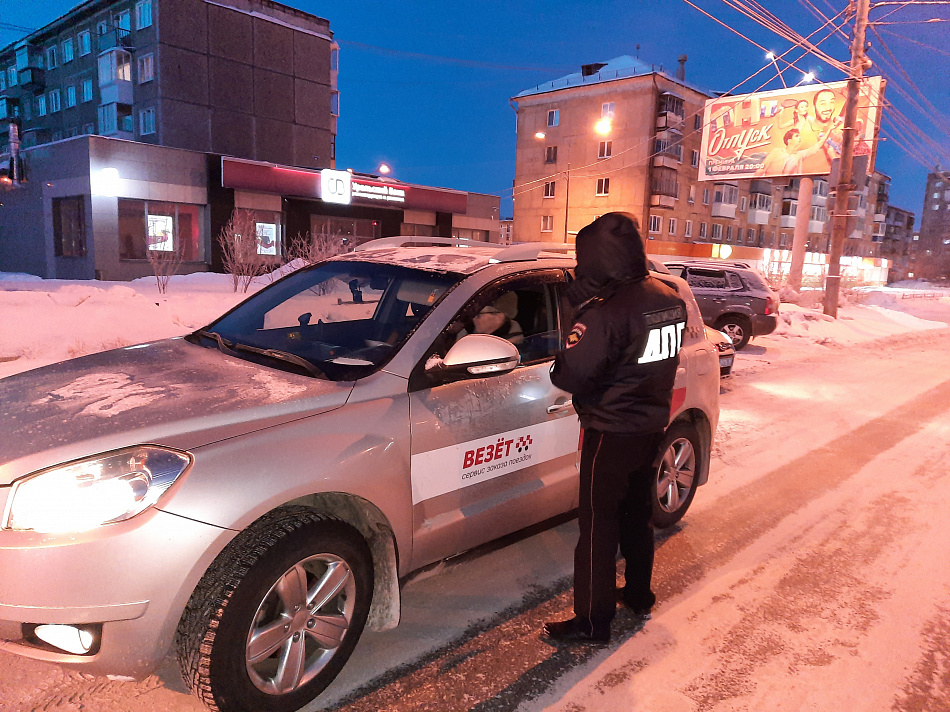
343 187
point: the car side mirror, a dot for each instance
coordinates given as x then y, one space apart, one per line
477 355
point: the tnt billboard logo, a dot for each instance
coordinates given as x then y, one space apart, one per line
335 186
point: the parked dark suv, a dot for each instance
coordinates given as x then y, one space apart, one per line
733 297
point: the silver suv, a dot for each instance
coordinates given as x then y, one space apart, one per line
250 495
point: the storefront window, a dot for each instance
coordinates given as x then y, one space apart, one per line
350 230
159 227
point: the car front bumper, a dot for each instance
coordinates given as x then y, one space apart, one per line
126 582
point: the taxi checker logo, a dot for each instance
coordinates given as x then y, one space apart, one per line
496 451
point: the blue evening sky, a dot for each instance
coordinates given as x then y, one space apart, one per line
425 84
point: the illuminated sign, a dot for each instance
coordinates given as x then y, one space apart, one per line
788 132
376 191
335 186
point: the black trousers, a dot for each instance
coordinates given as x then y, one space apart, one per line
616 508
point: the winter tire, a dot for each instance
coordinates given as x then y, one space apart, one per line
277 615
676 474
737 328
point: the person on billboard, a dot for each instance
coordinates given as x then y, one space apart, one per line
619 363
788 160
822 131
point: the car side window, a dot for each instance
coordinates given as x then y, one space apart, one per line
734 282
699 278
523 309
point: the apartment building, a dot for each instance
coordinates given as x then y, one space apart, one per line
934 243
900 243
253 79
625 135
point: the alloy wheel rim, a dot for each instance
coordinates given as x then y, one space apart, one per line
734 332
300 624
675 475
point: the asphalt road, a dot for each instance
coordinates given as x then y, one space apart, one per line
811 573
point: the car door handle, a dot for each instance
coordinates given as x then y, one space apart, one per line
558 407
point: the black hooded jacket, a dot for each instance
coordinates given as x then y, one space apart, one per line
619 360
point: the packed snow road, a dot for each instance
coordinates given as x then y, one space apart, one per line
810 574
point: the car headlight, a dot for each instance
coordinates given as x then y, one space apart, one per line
100 490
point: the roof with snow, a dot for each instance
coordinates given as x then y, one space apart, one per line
617 68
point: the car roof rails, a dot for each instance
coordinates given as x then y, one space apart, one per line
518 252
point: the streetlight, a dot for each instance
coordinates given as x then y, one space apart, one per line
806 77
384 169
539 135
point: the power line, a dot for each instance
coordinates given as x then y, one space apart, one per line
447 60
916 42
928 21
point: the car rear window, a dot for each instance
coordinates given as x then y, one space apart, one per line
698 278
756 280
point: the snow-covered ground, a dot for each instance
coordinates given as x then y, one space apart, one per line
809 574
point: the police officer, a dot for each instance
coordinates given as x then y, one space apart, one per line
619 363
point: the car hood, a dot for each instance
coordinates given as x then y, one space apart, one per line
168 392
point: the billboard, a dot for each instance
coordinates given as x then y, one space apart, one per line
788 132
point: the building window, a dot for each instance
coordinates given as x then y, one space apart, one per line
694 159
790 207
86 94
672 226
11 76
605 149
54 101
335 103
51 62
3 79
70 96
760 201
89 129
728 233
102 27
607 110
550 154
549 189
702 231
671 104
547 223
783 240
147 226
115 118
554 116
697 122
688 228
115 66
146 64
603 186
334 60
67 50
147 122
705 196
57 136
85 43
123 21
750 236
742 204
69 227
716 231
143 14
692 195
41 105
654 223
727 194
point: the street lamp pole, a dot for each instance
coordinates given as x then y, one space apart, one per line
567 200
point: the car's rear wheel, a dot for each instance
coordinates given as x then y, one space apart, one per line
738 328
277 616
676 475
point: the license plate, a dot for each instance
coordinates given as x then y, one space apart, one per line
725 361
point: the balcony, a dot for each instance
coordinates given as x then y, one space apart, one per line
816 227
787 221
116 38
880 217
669 121
662 201
723 210
32 79
758 217
116 92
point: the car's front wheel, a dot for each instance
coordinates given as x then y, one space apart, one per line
277 616
676 475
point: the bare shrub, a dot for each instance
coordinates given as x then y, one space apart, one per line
164 264
312 249
240 254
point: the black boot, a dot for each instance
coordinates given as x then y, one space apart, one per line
576 631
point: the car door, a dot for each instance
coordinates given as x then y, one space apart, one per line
493 454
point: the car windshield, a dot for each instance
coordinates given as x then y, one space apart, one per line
340 320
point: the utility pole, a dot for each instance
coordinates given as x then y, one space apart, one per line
859 63
567 200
